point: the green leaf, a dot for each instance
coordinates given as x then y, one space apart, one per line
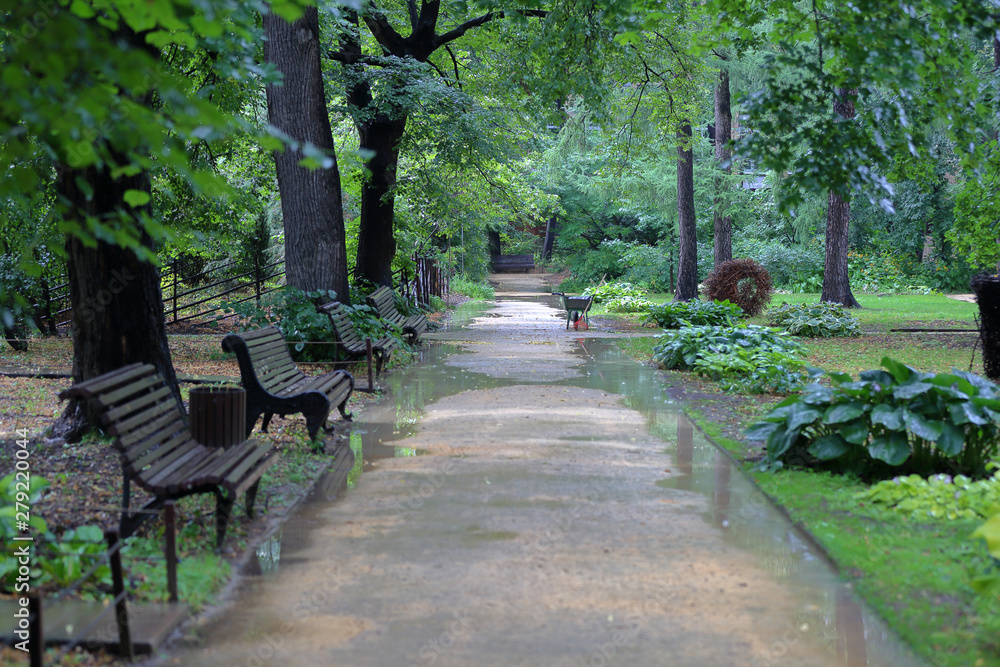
894 449
136 198
907 391
888 416
922 427
828 447
760 431
901 372
990 532
952 439
800 416
844 412
855 432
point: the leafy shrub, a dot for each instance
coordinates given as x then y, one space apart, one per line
938 496
748 358
675 314
988 582
628 304
823 320
62 561
882 273
607 291
481 291
742 281
17 291
294 313
889 421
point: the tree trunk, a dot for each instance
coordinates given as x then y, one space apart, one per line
550 238
376 242
117 305
836 280
723 227
315 246
687 271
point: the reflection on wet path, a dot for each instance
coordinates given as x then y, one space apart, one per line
822 622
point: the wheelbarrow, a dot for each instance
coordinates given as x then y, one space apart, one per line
576 309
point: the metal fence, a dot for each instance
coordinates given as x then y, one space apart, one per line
182 301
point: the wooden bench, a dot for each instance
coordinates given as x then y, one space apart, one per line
158 452
351 342
276 386
384 301
510 263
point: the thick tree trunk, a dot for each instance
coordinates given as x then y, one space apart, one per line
723 227
376 242
315 247
836 280
687 271
117 305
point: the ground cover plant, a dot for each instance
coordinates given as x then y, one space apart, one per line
822 320
938 496
675 314
628 304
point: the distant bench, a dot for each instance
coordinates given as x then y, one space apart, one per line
510 263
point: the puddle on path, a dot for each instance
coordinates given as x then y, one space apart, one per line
829 616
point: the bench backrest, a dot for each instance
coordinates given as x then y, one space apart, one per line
140 410
346 333
384 301
265 352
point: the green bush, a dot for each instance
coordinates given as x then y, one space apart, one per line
938 496
751 358
819 320
988 581
628 304
481 291
677 314
607 291
891 421
294 313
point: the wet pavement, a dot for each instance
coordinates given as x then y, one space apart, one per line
530 496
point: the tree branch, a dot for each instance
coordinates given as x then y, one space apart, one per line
460 30
454 62
384 33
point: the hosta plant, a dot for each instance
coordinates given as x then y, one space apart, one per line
888 422
606 291
628 304
747 358
821 320
677 314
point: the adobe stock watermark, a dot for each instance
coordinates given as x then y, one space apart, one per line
33 24
311 602
456 630
626 631
95 304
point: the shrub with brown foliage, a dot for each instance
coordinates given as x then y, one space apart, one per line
743 282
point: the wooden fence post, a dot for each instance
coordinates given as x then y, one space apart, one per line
36 642
173 267
125 648
170 547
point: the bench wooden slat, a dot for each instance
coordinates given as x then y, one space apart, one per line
237 466
95 386
115 414
141 418
157 445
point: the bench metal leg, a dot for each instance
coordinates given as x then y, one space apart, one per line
315 421
267 420
223 512
251 497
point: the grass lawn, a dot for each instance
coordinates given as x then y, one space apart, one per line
916 574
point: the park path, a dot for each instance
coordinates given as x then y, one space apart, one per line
543 522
